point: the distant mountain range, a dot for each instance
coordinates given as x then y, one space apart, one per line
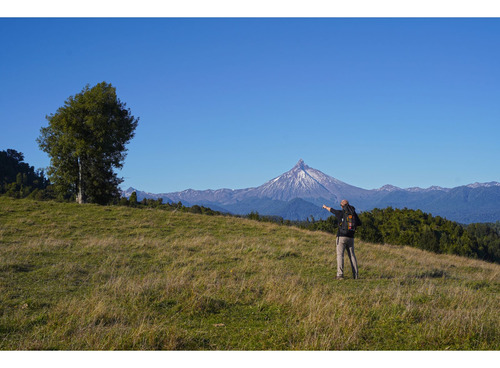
300 193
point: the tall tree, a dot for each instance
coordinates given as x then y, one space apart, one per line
86 141
133 199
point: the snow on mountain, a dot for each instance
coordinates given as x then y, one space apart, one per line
388 188
484 185
209 195
300 182
425 190
305 182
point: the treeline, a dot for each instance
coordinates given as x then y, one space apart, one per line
20 180
414 228
434 233
158 203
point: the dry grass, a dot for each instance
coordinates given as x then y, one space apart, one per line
105 278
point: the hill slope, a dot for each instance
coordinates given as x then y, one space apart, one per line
91 277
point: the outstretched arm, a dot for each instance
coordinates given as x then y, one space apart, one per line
337 213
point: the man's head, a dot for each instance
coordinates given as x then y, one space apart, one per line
344 203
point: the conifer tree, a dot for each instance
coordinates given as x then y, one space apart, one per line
133 199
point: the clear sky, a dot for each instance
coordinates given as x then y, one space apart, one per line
232 103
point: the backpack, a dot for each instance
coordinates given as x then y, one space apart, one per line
350 220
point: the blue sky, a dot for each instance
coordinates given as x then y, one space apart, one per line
232 103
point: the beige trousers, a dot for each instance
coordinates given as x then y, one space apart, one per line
345 243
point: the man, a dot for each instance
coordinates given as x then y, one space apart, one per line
348 220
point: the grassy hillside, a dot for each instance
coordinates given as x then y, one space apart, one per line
92 278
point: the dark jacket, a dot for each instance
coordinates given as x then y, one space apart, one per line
339 214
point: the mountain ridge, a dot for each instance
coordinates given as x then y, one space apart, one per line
477 202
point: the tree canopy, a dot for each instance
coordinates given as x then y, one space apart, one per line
86 140
17 178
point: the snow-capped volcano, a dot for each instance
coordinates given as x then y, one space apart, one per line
299 182
303 181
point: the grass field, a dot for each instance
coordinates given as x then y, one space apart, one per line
87 277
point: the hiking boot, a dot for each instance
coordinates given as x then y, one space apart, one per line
340 277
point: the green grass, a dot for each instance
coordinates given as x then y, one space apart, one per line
86 277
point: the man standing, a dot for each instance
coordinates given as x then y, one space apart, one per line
348 221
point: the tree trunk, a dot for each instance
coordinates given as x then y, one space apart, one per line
80 197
